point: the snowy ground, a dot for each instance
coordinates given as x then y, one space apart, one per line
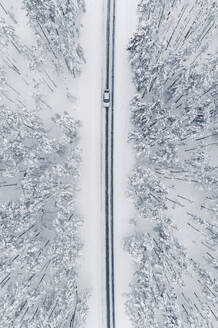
90 83
123 212
85 104
87 107
88 90
90 106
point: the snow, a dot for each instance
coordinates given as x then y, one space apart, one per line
124 160
85 103
90 108
87 88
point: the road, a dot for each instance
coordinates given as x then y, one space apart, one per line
108 172
118 158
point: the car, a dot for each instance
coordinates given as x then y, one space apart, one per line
106 98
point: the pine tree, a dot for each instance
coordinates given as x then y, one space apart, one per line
57 27
40 241
175 180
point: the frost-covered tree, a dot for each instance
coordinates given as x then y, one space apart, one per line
147 192
7 34
152 299
11 43
174 134
57 27
40 224
39 176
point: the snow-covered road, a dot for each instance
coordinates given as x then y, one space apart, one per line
90 85
90 106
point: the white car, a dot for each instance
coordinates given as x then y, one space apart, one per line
106 98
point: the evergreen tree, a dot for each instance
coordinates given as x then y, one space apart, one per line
57 27
175 180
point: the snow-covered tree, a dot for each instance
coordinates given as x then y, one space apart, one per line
174 134
57 28
39 176
40 224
